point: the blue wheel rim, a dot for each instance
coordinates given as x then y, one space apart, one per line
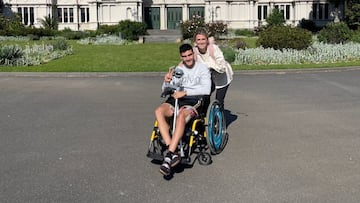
215 128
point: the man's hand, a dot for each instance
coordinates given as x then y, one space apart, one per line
168 76
179 94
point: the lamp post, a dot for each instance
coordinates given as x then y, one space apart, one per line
212 13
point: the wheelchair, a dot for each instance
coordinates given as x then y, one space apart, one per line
204 136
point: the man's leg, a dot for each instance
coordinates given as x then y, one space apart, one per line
179 130
173 157
161 113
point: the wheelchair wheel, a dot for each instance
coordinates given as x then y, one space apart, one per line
204 158
216 128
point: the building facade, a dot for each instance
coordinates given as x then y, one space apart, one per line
168 14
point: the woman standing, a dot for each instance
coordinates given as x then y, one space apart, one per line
209 53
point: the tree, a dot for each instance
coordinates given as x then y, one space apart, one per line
2 6
49 23
275 18
352 14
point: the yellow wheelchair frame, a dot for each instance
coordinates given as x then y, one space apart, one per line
202 134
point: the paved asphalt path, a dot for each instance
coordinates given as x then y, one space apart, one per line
294 137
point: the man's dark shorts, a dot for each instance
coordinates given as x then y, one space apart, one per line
191 101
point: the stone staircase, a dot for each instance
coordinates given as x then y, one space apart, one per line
163 36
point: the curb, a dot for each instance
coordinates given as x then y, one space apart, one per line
160 74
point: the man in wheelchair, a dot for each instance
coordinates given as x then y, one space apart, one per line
195 82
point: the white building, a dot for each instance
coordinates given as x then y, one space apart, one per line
167 14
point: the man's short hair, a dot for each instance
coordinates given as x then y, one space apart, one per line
185 47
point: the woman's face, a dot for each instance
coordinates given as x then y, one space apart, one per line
201 41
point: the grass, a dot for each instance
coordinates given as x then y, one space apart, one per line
135 58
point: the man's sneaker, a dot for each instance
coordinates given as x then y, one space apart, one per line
175 159
165 166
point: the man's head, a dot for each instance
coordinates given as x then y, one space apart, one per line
187 55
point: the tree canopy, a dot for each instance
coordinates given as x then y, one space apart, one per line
352 13
275 18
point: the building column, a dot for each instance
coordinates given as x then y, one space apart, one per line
76 17
93 15
185 12
162 17
139 10
229 14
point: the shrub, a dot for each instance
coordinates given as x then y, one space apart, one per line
281 37
11 26
240 44
216 28
60 44
356 36
9 54
235 43
67 33
36 33
109 29
131 30
189 27
244 32
229 54
308 25
315 54
335 33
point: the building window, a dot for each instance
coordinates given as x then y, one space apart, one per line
128 13
287 12
326 11
84 15
71 13
321 7
217 12
20 12
320 11
26 14
66 17
314 9
196 11
262 12
265 10
31 15
60 15
87 14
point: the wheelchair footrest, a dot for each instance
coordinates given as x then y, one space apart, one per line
155 156
186 161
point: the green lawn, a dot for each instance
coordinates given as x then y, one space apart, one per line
132 58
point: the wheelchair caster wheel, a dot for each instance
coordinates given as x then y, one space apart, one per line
204 158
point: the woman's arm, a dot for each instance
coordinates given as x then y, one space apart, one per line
219 64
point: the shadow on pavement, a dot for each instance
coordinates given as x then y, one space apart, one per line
229 117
